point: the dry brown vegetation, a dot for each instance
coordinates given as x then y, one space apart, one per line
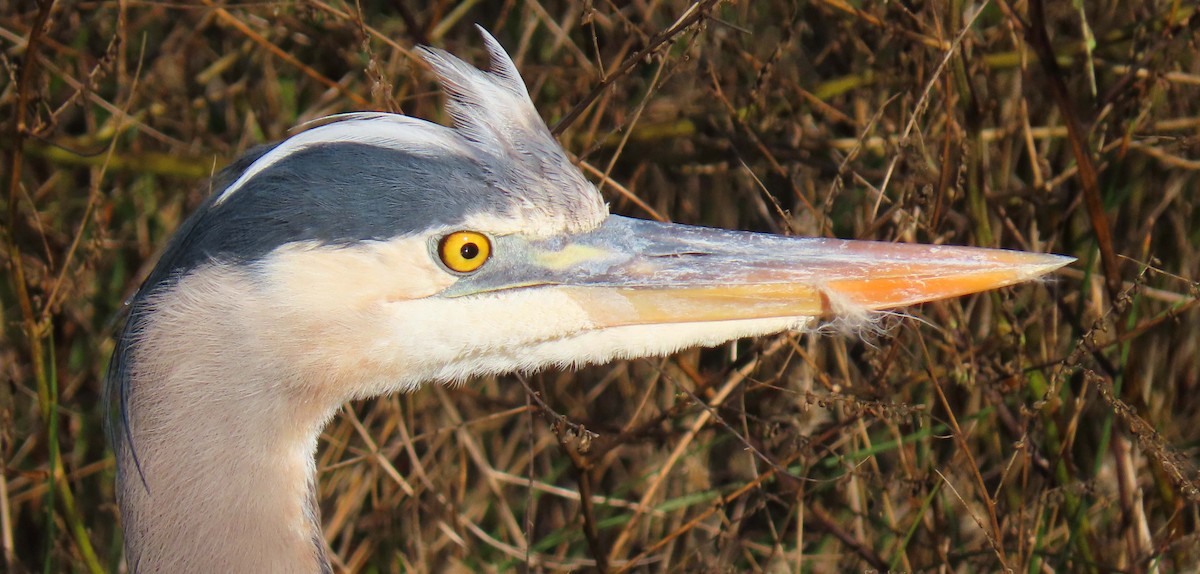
1046 427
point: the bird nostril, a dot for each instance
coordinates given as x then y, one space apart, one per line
680 254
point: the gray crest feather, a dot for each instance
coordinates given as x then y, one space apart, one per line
493 110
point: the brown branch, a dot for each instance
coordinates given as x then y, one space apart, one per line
574 439
36 329
656 42
996 537
1039 40
826 521
286 57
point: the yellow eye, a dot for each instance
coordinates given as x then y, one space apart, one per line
464 251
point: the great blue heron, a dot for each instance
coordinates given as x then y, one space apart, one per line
380 252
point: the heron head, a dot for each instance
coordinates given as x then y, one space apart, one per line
380 251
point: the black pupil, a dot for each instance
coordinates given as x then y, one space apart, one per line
469 251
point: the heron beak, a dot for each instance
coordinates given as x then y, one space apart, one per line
638 272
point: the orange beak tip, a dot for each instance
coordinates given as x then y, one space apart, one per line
934 280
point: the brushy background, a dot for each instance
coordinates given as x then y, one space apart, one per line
1047 427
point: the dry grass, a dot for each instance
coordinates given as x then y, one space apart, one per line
1046 427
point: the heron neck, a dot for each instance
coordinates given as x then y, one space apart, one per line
225 453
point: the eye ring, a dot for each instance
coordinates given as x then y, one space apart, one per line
464 251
